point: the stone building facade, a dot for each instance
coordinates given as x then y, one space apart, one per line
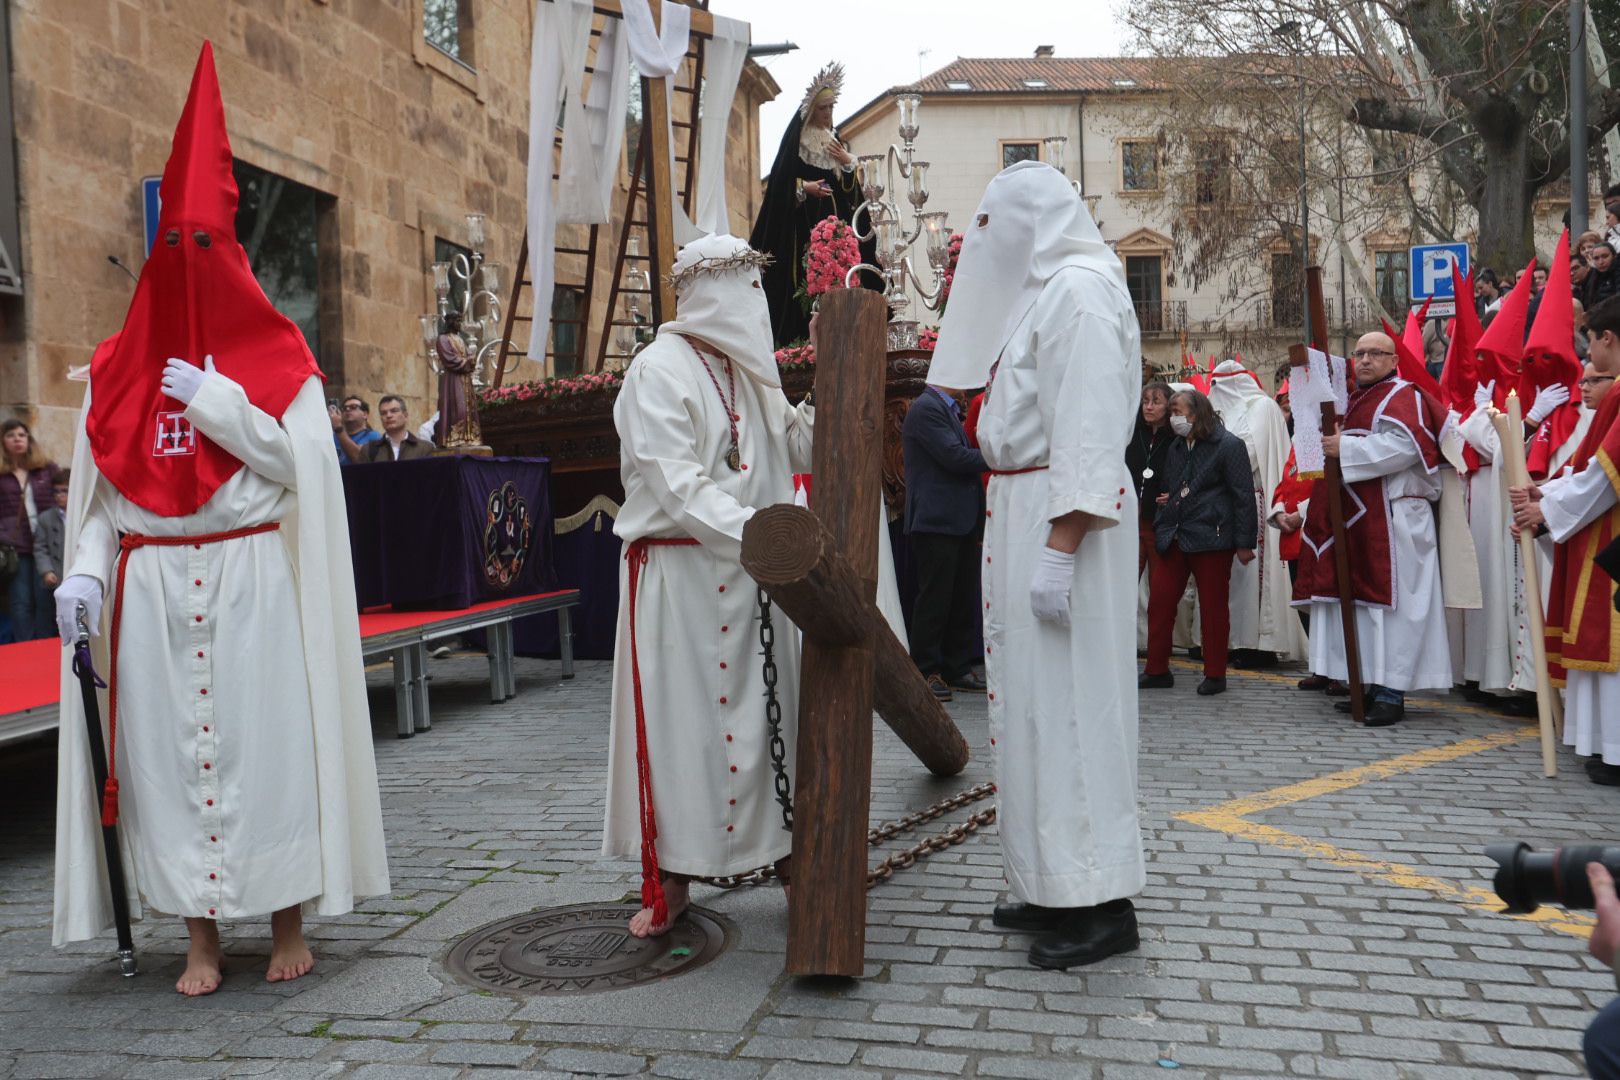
361 146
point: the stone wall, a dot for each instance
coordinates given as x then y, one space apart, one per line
343 96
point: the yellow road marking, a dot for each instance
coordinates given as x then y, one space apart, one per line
1231 818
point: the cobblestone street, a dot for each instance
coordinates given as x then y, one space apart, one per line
1318 905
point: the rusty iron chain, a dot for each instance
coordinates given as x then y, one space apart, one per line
773 712
900 860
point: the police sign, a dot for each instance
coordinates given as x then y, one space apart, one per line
1431 270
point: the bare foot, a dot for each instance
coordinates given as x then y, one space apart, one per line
676 896
290 957
202 959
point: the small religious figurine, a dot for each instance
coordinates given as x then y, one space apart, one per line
813 178
458 408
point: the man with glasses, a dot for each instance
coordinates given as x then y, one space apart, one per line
1388 445
1578 510
351 429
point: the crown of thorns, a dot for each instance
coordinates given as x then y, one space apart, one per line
713 266
829 78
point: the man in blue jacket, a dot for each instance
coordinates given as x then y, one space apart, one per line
945 520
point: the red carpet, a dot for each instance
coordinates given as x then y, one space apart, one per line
29 671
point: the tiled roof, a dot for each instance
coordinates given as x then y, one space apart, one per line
995 75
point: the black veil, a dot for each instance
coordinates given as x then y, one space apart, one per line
782 230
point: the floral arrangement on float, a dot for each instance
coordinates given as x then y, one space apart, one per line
949 276
605 384
832 253
927 338
796 357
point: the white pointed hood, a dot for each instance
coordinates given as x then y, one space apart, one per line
719 299
1029 225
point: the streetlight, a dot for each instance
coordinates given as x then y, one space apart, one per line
1290 31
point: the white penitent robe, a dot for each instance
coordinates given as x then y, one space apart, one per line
1556 467
247 782
1497 653
1403 647
1261 590
697 616
1591 698
1062 701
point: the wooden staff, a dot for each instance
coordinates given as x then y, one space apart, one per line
1333 473
1510 435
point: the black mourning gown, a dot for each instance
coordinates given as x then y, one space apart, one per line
782 231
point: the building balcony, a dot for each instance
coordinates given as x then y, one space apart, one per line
1161 316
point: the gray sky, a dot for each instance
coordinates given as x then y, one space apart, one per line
878 40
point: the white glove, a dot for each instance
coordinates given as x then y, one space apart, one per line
1483 393
77 589
181 380
1049 589
1548 398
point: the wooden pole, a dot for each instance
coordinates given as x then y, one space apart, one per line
660 190
1334 481
792 556
1510 435
827 913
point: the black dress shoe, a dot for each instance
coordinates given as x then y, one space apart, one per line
1472 692
1516 705
937 686
1603 774
1017 915
1254 658
1155 682
1212 686
968 684
1314 682
1087 936
1195 653
1383 714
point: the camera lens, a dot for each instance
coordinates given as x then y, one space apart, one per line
1526 879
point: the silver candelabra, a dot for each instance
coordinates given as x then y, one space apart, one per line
482 281
892 239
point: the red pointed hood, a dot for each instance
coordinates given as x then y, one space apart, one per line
1501 347
1460 375
1550 360
1412 334
196 297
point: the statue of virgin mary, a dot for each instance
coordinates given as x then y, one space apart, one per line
813 178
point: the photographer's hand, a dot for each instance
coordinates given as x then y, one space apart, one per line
1606 934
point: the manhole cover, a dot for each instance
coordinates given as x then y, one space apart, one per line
582 949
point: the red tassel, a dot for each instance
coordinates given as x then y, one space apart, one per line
109 803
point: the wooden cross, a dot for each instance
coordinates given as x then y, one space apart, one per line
821 570
1299 356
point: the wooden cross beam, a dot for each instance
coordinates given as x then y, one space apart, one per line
1298 356
821 569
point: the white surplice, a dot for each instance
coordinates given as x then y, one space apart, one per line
1497 651
1403 647
1591 698
697 615
1261 590
247 780
1062 701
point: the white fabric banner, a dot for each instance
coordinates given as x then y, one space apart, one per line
1323 379
722 68
593 129
561 30
658 54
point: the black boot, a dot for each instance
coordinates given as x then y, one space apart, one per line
1212 684
1017 915
1087 936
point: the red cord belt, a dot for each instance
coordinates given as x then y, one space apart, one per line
1017 472
652 885
127 543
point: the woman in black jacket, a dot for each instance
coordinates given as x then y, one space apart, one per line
1144 457
1206 515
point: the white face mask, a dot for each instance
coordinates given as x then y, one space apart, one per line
1181 425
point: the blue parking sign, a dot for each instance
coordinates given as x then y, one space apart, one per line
150 205
1431 270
